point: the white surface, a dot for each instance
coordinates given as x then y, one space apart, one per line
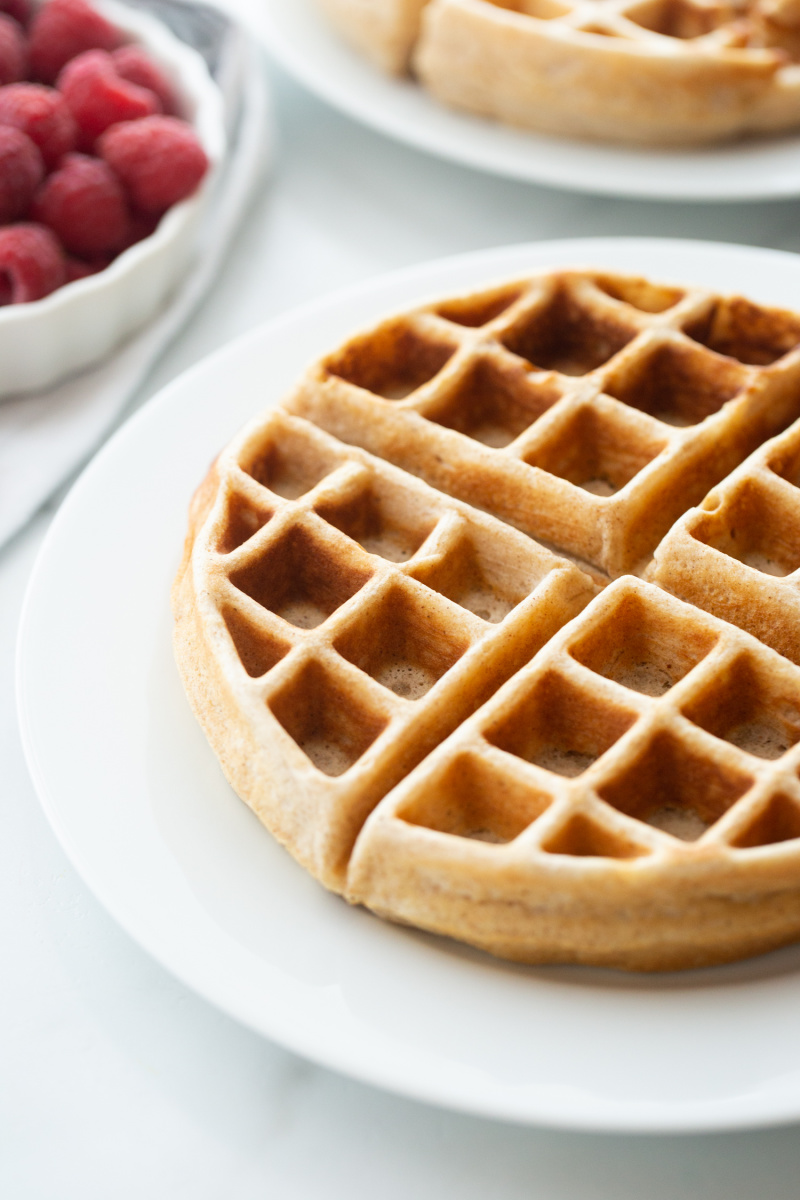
156 832
115 1080
752 169
42 342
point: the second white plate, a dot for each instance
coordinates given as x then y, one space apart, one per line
301 38
136 797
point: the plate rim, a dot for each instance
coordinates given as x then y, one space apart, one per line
714 1116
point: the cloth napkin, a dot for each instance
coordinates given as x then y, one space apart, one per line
45 436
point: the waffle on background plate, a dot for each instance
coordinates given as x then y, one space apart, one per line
495 622
656 72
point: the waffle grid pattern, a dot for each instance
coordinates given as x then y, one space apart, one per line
747 533
587 411
710 25
367 614
627 711
645 741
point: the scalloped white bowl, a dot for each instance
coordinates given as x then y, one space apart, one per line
47 340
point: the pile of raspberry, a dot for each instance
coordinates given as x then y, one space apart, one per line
91 151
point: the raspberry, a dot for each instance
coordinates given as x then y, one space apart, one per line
78 269
159 159
31 263
20 10
13 51
63 29
21 172
133 64
84 204
41 113
142 226
98 97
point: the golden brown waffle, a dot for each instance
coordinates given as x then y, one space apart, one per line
337 619
738 555
648 71
630 798
589 411
428 707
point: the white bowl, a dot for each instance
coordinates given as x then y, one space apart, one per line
42 342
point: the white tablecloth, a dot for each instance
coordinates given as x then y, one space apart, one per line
115 1082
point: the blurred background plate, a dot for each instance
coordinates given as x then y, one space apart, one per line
296 32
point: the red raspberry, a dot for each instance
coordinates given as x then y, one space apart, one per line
142 226
84 204
20 10
64 28
21 172
41 113
98 97
159 159
78 269
31 263
13 51
133 64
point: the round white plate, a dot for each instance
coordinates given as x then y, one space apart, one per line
298 34
136 797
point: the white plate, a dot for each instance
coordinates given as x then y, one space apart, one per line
140 806
296 31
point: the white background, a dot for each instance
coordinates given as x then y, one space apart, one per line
117 1083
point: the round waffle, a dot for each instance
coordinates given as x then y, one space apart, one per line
657 72
424 616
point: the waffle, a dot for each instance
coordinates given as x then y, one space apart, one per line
384 30
355 617
590 411
407 620
738 554
632 794
642 71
